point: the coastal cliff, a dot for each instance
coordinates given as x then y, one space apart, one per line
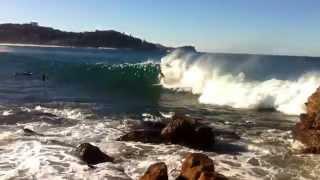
32 33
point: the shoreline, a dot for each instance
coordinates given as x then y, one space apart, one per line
53 46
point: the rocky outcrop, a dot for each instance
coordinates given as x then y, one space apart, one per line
157 171
179 130
92 154
308 129
197 166
183 130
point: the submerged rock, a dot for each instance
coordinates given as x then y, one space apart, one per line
197 166
254 161
157 171
143 135
204 136
179 130
182 130
92 154
29 132
308 129
153 125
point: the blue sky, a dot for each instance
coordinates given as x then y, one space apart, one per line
239 26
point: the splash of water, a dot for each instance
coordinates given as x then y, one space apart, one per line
205 76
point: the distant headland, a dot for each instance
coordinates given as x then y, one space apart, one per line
33 33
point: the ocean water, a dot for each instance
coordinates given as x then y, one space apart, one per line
97 95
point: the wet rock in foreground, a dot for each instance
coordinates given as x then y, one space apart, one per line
307 130
157 171
92 154
197 166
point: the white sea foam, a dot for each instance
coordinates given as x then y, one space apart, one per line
203 76
7 113
51 156
68 113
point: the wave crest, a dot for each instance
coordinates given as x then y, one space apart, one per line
206 76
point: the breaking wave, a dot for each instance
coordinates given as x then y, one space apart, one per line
135 78
242 81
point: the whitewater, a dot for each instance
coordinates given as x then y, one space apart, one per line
207 77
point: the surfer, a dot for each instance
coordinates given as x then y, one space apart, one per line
161 74
44 77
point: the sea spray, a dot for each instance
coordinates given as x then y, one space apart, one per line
216 82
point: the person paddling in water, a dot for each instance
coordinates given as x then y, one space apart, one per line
44 77
161 73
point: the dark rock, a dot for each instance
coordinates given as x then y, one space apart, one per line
313 150
197 166
145 136
92 154
158 171
153 125
266 109
179 130
254 162
226 134
204 136
186 131
29 132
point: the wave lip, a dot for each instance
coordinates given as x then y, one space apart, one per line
206 76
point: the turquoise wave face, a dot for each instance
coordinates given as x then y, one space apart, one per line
84 73
137 78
